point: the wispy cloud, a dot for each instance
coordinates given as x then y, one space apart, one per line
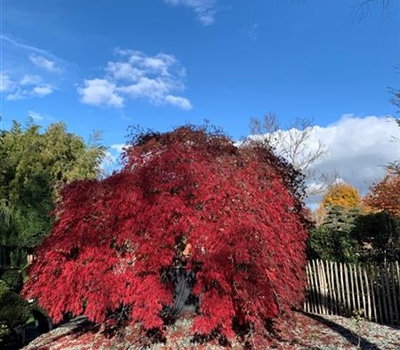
30 79
253 32
44 63
28 71
204 9
35 115
137 76
6 38
6 83
42 118
178 101
27 87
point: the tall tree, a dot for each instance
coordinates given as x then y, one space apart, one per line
34 167
295 144
342 194
339 201
326 242
385 195
335 219
378 232
378 237
394 167
238 209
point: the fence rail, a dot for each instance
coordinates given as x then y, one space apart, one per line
345 289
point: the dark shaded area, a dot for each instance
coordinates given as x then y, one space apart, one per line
183 281
184 300
15 336
43 322
13 257
378 238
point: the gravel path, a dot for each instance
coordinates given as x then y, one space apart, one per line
335 332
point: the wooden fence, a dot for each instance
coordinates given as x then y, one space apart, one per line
346 289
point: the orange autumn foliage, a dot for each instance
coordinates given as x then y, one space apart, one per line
385 195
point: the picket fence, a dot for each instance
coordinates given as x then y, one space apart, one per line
371 292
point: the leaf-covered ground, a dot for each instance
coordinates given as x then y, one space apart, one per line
304 332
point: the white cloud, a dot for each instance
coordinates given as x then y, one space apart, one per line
100 92
204 9
42 90
44 63
137 76
28 87
179 102
358 150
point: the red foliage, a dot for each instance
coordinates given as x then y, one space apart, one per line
114 239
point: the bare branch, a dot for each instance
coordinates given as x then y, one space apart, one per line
362 9
296 144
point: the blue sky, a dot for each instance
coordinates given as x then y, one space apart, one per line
102 65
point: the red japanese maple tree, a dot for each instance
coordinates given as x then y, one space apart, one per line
115 239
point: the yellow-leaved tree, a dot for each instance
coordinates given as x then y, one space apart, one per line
342 194
339 194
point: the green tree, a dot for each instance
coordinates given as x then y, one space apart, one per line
336 216
332 240
378 237
34 167
340 218
327 243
